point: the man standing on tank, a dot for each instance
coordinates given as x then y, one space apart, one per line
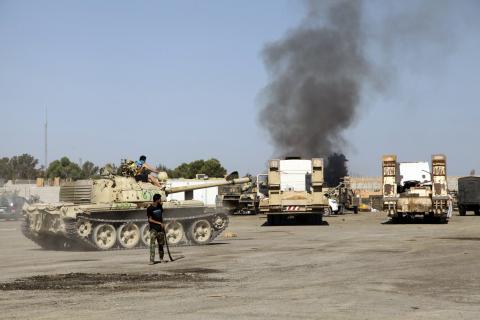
157 228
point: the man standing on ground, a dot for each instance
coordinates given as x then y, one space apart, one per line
157 228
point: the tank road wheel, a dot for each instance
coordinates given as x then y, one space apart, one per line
84 228
174 232
201 232
128 235
145 234
220 222
104 236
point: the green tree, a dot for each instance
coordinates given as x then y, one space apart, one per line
164 168
89 170
211 167
182 171
65 169
24 167
5 168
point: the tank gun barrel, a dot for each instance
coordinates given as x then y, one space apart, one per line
170 190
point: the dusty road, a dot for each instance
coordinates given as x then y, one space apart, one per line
355 268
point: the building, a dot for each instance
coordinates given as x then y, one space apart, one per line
207 195
366 186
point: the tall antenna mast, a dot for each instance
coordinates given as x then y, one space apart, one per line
46 138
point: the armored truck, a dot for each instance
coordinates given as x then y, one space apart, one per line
410 189
295 191
469 195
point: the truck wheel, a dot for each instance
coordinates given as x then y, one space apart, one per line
316 219
398 219
355 210
477 212
273 219
269 220
461 211
444 220
328 211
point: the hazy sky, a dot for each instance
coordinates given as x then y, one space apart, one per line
179 81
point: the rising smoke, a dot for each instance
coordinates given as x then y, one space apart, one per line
316 74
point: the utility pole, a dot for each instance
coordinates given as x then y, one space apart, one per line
46 139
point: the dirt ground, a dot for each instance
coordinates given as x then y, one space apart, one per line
354 268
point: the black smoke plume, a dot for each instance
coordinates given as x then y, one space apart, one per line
335 169
315 72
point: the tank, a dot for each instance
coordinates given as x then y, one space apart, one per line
410 189
468 195
295 191
239 199
110 213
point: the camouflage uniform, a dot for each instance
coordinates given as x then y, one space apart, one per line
158 236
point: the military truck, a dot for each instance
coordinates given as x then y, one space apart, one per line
344 196
110 213
410 189
295 191
468 195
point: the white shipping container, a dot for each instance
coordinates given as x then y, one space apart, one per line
293 174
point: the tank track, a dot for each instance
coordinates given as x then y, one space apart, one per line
45 241
73 240
26 231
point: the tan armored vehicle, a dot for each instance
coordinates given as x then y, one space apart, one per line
295 190
410 189
239 199
110 213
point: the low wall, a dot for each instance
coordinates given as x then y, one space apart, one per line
45 194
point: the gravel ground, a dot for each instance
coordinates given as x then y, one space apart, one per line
356 267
